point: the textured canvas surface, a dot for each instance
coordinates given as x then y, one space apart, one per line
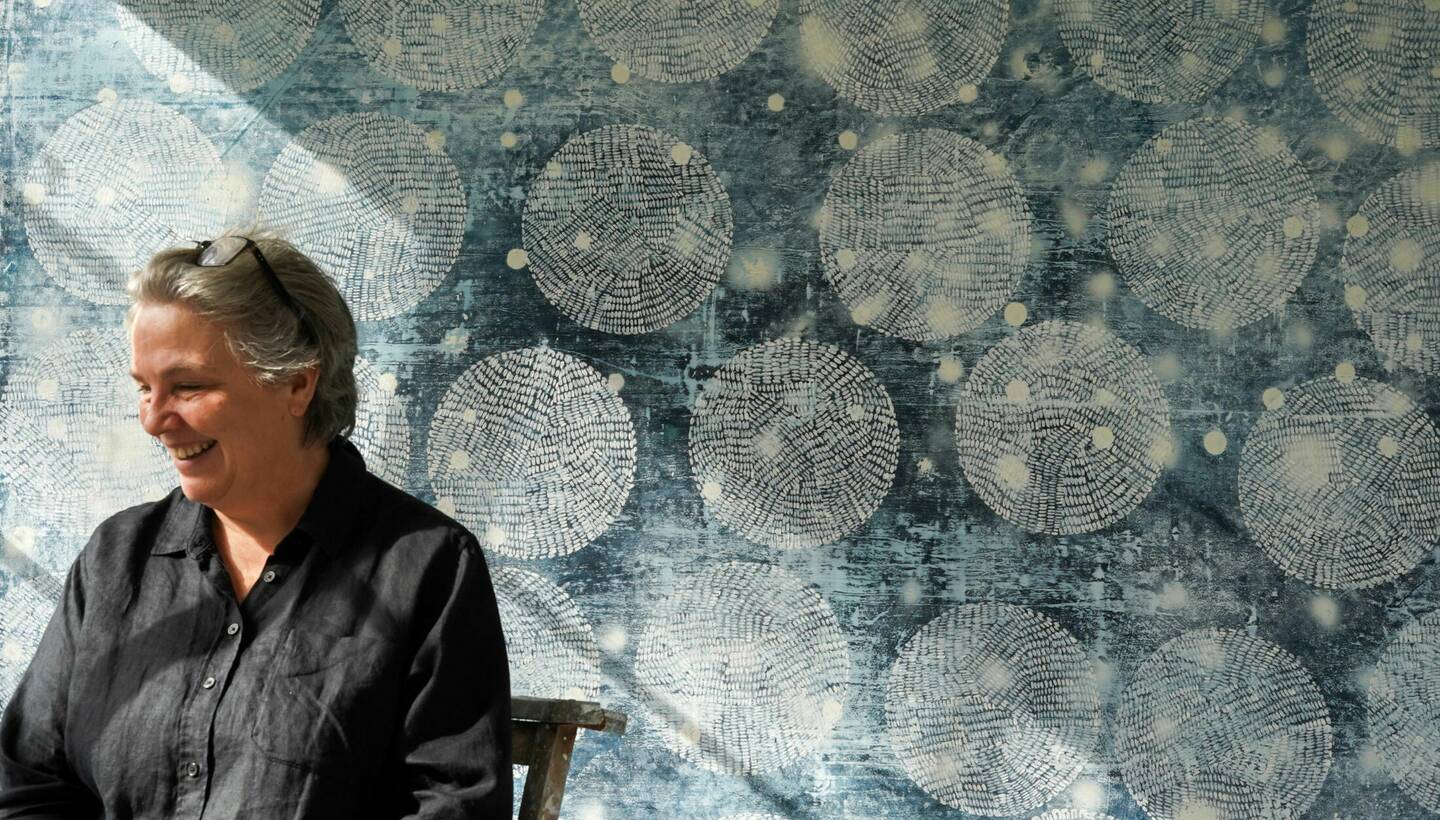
900 408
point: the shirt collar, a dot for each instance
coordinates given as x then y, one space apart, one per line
327 521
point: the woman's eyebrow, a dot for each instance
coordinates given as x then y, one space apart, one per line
172 370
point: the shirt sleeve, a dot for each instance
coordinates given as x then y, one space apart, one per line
454 741
36 779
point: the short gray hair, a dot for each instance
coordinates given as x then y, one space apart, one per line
261 332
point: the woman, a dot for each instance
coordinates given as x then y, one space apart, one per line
284 635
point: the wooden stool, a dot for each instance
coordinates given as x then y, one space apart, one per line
542 734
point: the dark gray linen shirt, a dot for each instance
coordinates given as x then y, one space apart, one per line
364 675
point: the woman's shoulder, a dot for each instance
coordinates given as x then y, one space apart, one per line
409 520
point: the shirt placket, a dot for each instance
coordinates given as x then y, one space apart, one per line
197 723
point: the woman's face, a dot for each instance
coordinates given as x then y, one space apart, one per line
194 395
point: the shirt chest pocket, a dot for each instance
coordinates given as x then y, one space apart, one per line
328 704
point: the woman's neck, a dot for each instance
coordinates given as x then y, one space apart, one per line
267 519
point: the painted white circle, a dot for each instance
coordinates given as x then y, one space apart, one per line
382 433
993 709
902 57
742 667
1032 455
1372 62
1220 724
339 190
623 237
550 646
443 45
1340 485
25 609
1201 222
1160 50
1395 264
925 235
157 165
793 444
536 452
1403 709
213 46
681 41
104 462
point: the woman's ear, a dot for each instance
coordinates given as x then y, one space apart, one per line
302 390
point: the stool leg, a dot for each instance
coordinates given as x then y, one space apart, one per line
545 778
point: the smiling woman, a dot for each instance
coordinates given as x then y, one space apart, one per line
274 625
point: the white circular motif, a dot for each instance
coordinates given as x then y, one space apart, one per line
903 57
1220 724
150 166
72 448
624 237
1160 50
793 444
1403 709
374 204
25 610
535 452
442 45
993 709
382 433
1059 428
1213 223
925 235
550 646
1391 268
1340 485
744 667
1373 63
680 41
213 46
1073 814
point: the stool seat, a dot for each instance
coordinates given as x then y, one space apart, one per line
542 735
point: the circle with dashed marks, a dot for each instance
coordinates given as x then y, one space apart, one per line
1373 63
217 47
903 57
374 203
1391 269
72 448
628 230
111 187
26 606
534 451
550 646
1340 485
1403 709
743 667
1160 50
793 443
925 235
1061 428
441 45
1213 223
1073 814
679 42
382 433
1218 723
993 709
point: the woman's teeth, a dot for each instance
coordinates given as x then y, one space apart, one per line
186 453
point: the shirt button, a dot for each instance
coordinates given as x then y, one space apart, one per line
269 576
232 629
208 682
193 769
